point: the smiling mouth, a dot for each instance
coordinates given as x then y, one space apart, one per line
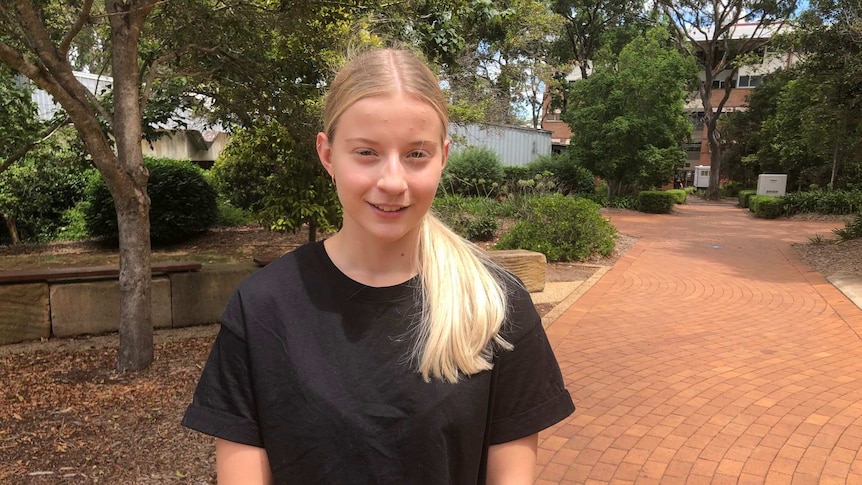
388 208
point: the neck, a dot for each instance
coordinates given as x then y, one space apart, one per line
375 264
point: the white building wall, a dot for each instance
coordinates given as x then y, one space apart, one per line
515 145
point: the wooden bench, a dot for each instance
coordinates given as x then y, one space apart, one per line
77 272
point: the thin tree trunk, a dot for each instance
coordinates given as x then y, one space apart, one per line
713 193
312 231
12 228
130 196
834 165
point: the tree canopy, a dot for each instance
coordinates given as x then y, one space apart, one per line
627 117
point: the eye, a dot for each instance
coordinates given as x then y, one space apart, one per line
364 152
417 154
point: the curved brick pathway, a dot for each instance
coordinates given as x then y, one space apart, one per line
709 354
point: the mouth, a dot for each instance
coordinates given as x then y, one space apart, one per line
388 207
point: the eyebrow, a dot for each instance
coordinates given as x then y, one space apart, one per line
417 143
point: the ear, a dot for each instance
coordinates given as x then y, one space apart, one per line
446 145
324 152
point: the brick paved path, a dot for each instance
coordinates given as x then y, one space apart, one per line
709 354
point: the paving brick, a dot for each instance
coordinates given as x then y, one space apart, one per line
693 359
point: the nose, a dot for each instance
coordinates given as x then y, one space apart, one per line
392 177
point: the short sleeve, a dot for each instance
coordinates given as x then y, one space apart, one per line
223 404
529 394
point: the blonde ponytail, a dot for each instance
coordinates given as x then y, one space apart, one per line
463 306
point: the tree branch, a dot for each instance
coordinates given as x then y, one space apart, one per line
75 28
22 152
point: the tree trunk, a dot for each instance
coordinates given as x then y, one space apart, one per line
130 196
12 228
712 135
47 64
834 165
312 231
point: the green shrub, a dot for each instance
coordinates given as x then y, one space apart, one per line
570 177
766 206
183 203
744 195
229 216
481 229
730 189
474 171
690 189
513 174
679 195
823 202
655 201
241 179
75 223
35 192
473 218
562 228
851 230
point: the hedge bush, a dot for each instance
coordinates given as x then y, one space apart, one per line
35 193
730 189
474 171
744 195
823 202
562 228
766 206
679 195
183 203
655 201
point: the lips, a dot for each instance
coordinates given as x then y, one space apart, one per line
388 208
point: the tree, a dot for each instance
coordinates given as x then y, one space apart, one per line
525 54
747 150
806 121
36 39
712 33
830 39
627 117
589 27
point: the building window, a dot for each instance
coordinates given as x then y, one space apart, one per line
749 81
552 115
697 119
717 84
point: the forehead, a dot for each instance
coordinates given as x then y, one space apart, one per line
398 111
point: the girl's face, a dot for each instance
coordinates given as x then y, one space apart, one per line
386 157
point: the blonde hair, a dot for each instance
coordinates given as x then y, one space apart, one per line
463 299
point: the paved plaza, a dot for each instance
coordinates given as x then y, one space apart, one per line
710 353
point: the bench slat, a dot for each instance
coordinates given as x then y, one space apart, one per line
48 274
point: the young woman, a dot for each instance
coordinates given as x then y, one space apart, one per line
393 352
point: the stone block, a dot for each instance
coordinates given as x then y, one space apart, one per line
199 298
89 307
24 312
529 266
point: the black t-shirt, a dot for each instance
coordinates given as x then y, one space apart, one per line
314 367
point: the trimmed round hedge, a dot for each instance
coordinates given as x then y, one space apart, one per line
655 201
183 203
562 228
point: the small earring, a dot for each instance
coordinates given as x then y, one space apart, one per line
332 177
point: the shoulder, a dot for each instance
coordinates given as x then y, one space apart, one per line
283 273
286 281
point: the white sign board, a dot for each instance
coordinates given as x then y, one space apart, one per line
772 184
